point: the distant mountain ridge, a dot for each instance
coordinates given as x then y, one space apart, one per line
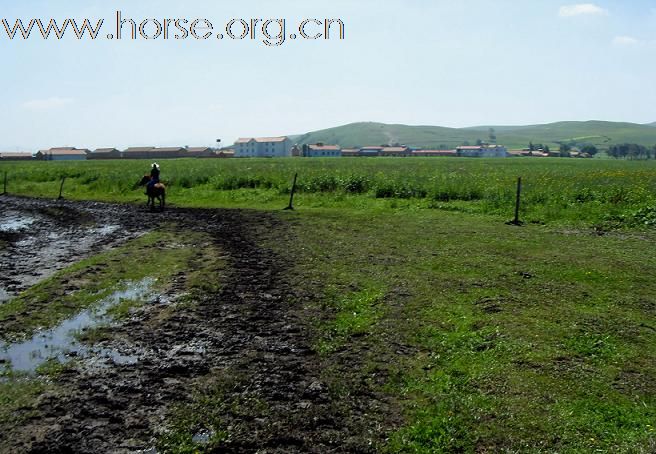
599 133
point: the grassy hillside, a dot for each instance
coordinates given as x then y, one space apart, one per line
600 133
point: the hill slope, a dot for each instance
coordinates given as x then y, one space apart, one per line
600 133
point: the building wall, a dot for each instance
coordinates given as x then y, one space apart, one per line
323 153
264 149
67 158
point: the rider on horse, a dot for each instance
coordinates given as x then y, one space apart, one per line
154 177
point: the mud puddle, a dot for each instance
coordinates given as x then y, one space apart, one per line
249 338
40 237
61 343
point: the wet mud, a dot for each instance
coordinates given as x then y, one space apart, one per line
253 336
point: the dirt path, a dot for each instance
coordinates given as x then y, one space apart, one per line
251 340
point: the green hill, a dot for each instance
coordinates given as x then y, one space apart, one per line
600 133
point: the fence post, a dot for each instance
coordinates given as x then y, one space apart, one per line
516 221
61 188
291 196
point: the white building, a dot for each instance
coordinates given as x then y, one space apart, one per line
263 147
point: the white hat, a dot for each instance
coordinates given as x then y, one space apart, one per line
155 165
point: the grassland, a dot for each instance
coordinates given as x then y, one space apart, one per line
603 194
491 338
520 339
599 133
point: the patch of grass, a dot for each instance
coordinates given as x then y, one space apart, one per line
52 368
215 397
354 316
513 339
17 399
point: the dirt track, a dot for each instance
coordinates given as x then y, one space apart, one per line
253 337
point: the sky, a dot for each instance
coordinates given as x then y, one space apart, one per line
420 62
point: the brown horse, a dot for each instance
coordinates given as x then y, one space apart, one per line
157 191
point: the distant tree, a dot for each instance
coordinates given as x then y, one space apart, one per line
492 136
629 151
565 150
479 142
546 149
531 147
466 143
590 149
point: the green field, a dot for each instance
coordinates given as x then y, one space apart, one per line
599 133
590 193
488 337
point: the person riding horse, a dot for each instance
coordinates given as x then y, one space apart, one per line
154 177
154 189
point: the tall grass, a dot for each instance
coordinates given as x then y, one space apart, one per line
607 193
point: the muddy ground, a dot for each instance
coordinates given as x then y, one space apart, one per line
253 338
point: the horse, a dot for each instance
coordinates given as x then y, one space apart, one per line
157 191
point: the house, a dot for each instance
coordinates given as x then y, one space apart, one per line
350 152
168 152
199 152
371 151
434 153
396 151
137 152
104 153
482 151
225 154
63 154
323 151
263 147
15 156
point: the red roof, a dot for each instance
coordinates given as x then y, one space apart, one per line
325 147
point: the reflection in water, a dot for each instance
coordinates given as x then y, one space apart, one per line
60 342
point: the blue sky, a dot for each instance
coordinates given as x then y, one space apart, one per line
445 63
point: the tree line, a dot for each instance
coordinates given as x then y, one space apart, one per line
632 151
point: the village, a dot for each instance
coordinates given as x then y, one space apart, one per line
278 147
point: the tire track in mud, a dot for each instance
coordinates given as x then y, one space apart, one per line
253 334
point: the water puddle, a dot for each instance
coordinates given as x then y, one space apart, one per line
203 437
107 230
60 342
12 221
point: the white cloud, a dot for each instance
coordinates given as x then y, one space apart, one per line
41 105
582 9
625 41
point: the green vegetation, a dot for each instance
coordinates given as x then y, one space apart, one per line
492 338
598 133
525 339
354 315
600 193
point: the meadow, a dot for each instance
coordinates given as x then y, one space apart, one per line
487 337
597 193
